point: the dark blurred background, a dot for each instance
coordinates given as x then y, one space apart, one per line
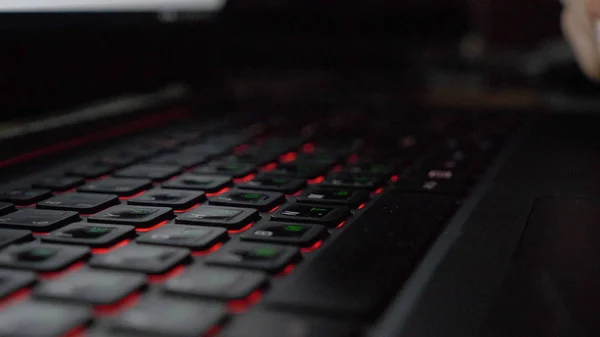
55 61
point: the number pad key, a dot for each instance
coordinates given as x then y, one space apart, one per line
38 220
317 214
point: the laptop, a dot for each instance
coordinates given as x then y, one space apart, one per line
184 169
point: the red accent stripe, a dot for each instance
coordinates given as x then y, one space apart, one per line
218 192
96 136
287 270
187 209
16 296
314 247
158 278
55 274
244 178
317 180
207 251
76 332
143 230
240 306
245 228
110 309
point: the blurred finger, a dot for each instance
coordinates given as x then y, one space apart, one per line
579 27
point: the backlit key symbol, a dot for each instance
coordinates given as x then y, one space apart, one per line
430 185
316 196
436 174
53 202
290 213
263 233
198 216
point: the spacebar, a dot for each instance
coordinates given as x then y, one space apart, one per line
356 274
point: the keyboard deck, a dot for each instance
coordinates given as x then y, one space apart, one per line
302 230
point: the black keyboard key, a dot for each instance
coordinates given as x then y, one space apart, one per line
255 155
302 169
267 182
184 160
141 258
377 252
91 287
207 149
42 319
118 159
276 324
41 257
58 183
37 220
349 180
191 237
228 217
367 167
89 234
14 280
261 200
153 172
230 168
91 171
86 203
24 196
6 208
138 216
168 317
265 257
206 183
216 283
10 236
118 186
286 233
175 199
330 216
333 196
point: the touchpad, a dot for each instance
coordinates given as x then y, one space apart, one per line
553 286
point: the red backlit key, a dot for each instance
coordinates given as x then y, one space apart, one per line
261 200
138 216
191 237
86 203
119 186
38 220
265 257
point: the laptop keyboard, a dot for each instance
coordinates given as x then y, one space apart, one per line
305 231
